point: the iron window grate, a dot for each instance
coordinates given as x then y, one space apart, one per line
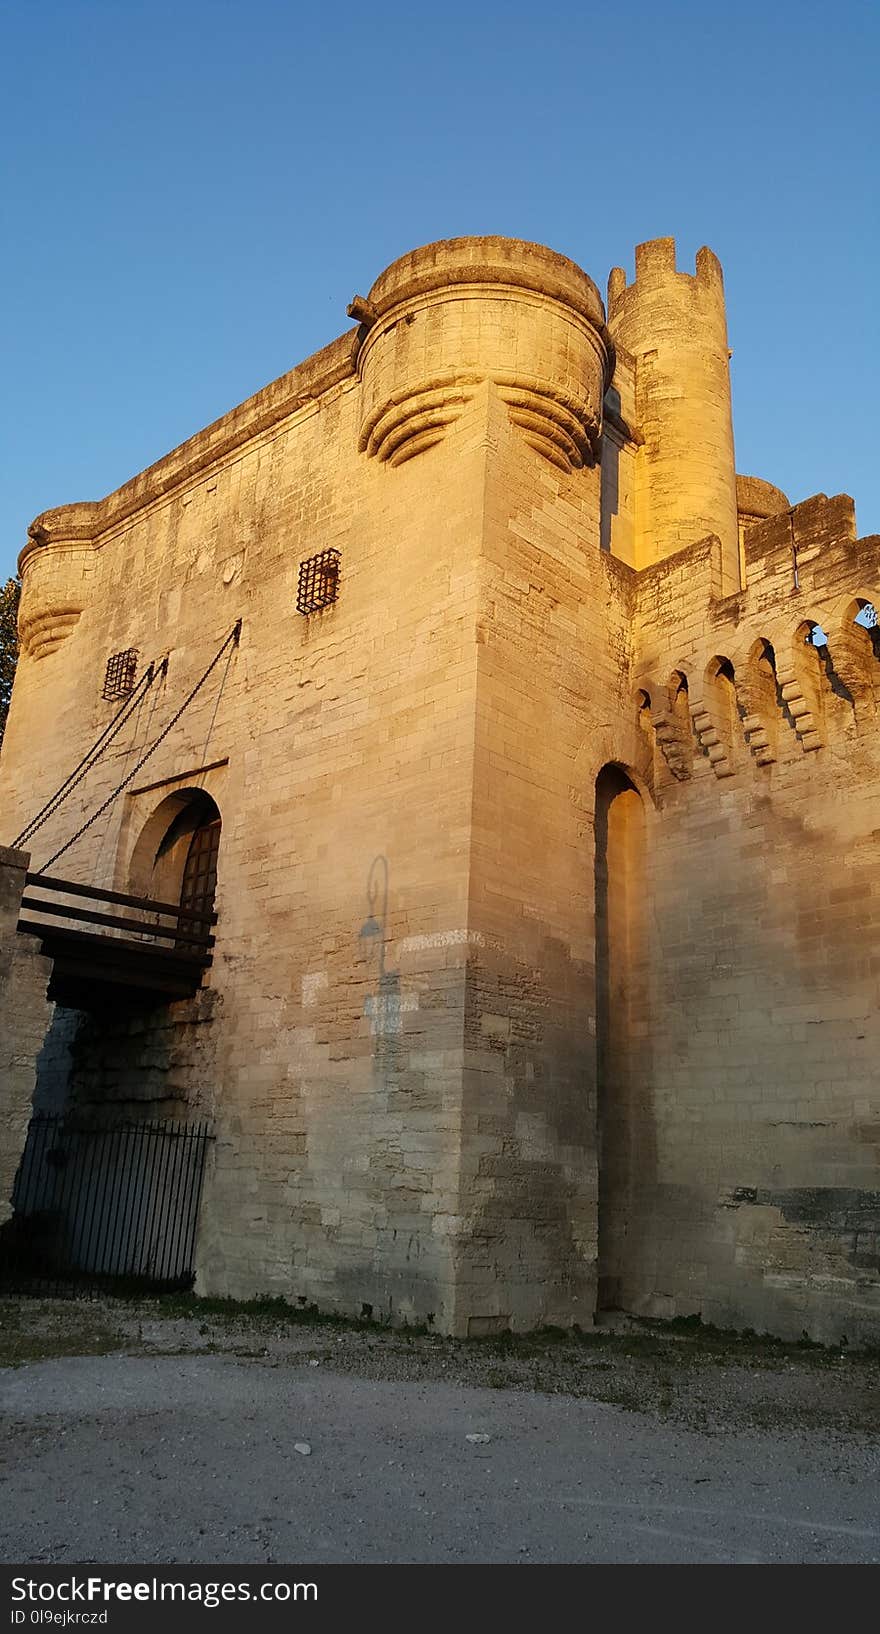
120 673
318 584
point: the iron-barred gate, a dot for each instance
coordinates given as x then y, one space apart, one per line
97 1204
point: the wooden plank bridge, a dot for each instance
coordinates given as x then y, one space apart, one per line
153 953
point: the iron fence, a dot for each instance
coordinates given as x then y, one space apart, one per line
103 1204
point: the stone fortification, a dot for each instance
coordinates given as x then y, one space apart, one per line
546 969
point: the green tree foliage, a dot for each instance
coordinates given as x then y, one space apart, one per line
9 598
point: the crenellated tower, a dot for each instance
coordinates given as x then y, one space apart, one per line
673 325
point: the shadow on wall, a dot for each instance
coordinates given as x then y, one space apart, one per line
55 1062
610 491
527 1198
394 1277
383 1006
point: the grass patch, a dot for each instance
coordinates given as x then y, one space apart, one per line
84 1332
684 1341
273 1309
33 1329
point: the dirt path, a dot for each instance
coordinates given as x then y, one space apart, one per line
167 1433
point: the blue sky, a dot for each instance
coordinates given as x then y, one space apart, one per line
194 192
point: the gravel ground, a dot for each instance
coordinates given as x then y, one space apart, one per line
167 1433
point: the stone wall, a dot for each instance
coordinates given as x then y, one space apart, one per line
546 967
26 1013
762 1207
551 644
329 1064
327 1043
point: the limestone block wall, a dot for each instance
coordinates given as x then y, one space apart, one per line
759 1206
328 1060
327 1042
552 650
26 1013
351 924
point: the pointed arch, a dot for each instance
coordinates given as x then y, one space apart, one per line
621 1025
177 849
757 686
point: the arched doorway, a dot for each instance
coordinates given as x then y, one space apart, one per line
622 1034
199 881
176 854
186 859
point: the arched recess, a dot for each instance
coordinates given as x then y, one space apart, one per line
867 618
814 665
759 701
672 722
626 1158
802 684
175 855
716 718
856 651
681 762
645 735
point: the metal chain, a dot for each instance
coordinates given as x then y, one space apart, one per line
94 754
233 637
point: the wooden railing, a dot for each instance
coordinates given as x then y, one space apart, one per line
188 930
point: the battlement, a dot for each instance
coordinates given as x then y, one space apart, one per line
655 268
818 525
788 664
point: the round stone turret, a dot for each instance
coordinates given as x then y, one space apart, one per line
675 327
449 316
55 566
757 500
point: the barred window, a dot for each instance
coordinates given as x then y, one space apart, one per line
318 584
120 673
